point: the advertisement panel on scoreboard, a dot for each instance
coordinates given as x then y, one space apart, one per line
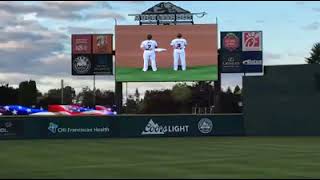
241 52
82 64
196 55
92 54
231 41
102 44
252 41
103 64
81 44
252 61
231 62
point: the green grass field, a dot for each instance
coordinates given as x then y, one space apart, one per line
202 73
203 157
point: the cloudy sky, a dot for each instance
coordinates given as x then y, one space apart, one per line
35 36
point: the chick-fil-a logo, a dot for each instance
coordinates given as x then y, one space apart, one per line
251 41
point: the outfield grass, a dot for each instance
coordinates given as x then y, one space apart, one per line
201 73
212 157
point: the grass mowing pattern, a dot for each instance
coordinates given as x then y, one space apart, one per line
205 157
202 73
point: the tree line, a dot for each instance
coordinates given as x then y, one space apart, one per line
182 98
27 94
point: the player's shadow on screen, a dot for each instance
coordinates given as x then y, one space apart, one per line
179 68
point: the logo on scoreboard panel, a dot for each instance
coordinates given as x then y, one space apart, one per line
252 41
81 64
231 61
231 42
101 41
81 44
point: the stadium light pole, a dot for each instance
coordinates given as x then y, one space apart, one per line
94 90
61 91
115 21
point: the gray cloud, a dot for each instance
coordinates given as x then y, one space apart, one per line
41 10
316 9
105 15
60 10
136 2
270 56
300 2
260 21
6 18
106 5
132 2
26 43
296 54
85 30
311 27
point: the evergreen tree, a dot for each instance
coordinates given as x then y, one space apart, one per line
237 90
314 55
137 95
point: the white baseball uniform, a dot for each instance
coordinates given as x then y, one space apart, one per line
179 44
149 53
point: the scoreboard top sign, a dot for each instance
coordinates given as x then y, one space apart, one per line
165 13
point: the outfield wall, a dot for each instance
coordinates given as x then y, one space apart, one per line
285 101
120 126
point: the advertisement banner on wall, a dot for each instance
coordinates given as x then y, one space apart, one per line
11 129
82 64
252 41
102 43
252 61
81 44
103 64
157 126
79 128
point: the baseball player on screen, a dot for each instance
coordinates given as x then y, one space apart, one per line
149 47
179 44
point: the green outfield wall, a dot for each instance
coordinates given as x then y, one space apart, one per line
285 101
120 126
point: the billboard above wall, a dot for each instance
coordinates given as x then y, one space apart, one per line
241 52
198 51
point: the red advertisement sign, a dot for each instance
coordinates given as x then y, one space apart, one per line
81 44
252 41
102 44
